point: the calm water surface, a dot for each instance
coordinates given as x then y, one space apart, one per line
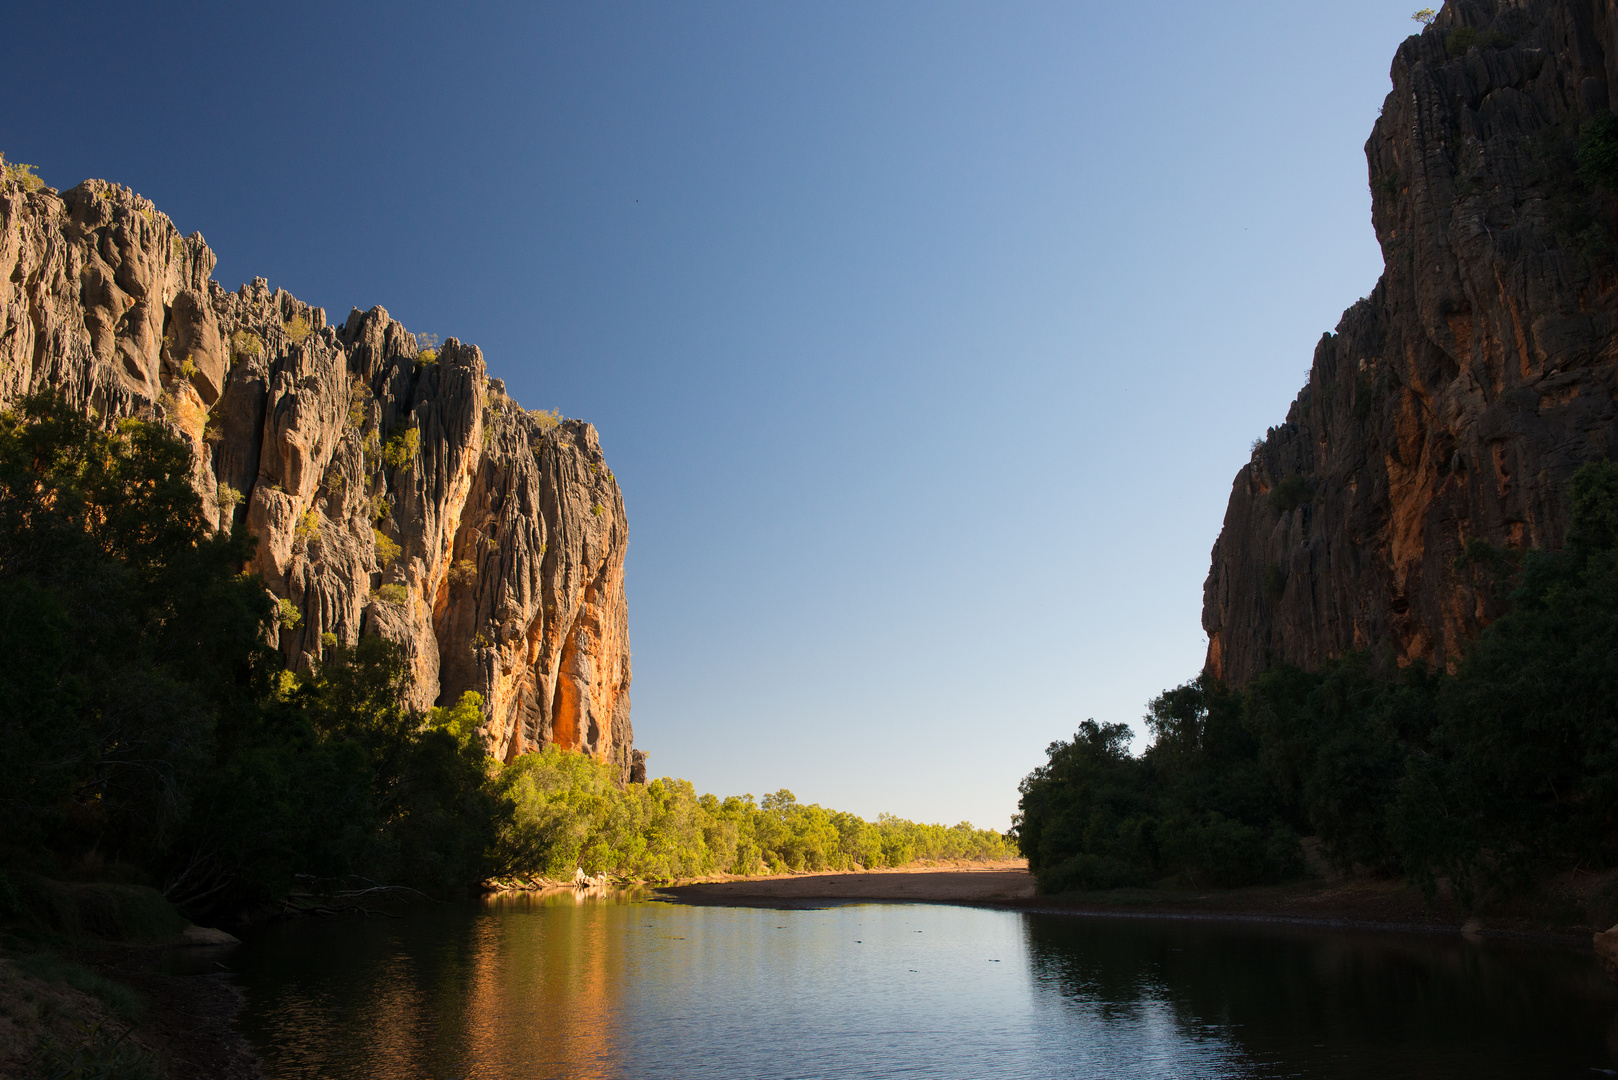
617 986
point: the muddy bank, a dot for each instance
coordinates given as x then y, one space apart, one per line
73 1003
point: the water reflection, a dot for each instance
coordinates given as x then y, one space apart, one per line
609 985
1307 1001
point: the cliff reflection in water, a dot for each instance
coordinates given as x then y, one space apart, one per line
607 985
435 994
564 970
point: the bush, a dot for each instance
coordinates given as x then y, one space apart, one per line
245 343
106 910
359 395
1463 38
22 175
1597 155
401 448
463 572
288 614
387 552
1222 852
1291 493
298 330
394 594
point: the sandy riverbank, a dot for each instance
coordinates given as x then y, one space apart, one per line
1357 902
967 883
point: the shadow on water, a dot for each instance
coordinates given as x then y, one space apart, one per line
1314 1001
608 985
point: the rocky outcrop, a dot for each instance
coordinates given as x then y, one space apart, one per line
1455 402
392 489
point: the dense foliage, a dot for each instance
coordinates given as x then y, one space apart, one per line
149 733
1501 771
567 812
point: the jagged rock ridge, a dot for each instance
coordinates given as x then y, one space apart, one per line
390 491
1455 402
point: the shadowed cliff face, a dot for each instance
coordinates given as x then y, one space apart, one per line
415 500
1456 401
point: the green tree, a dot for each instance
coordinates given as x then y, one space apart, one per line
1520 774
127 626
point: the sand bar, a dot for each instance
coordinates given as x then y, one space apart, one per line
967 883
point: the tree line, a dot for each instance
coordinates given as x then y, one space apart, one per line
1493 775
151 732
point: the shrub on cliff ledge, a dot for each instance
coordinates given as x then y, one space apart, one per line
1597 155
1463 38
245 343
401 449
1290 494
387 552
22 175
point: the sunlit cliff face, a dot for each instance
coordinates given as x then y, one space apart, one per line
391 490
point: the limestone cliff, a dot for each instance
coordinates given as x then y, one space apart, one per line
391 490
1455 401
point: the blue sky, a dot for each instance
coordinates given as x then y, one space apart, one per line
925 339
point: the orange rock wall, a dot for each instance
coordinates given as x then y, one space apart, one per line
509 527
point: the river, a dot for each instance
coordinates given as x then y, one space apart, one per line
567 986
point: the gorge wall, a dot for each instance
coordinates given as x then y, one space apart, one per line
1456 401
391 491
